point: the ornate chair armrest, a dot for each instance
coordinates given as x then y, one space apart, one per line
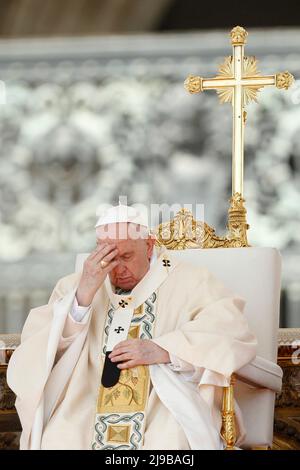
228 430
261 373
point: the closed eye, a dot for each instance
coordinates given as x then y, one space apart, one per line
126 257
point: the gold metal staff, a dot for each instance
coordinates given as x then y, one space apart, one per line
238 82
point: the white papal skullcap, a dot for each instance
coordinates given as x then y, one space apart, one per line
122 213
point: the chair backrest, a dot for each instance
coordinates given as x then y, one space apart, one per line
252 273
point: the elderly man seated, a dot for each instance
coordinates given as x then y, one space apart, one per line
130 353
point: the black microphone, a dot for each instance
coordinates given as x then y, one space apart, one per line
111 373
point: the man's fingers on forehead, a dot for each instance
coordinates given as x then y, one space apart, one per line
103 250
104 246
109 256
111 265
95 252
105 254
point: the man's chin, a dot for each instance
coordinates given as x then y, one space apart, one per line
126 285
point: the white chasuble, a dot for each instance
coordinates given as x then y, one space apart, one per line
58 380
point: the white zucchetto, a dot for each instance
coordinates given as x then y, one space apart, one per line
122 213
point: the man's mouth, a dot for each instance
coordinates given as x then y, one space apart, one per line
124 278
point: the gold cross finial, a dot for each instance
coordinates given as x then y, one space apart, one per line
238 36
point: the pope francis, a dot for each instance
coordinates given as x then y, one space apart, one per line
131 352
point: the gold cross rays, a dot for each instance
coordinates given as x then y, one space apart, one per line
238 83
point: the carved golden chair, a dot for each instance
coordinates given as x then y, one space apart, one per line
255 274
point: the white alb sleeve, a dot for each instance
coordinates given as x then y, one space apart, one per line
78 312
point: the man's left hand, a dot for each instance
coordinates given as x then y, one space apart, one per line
135 352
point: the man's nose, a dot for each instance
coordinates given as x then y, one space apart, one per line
120 268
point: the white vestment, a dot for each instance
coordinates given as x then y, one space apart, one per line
55 371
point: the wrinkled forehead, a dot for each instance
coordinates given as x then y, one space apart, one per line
121 231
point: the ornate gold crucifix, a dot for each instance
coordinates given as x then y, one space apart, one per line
238 82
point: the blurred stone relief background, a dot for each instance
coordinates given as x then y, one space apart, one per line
90 115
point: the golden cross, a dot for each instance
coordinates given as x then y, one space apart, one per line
238 82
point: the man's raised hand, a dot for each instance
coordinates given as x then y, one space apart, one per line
93 273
